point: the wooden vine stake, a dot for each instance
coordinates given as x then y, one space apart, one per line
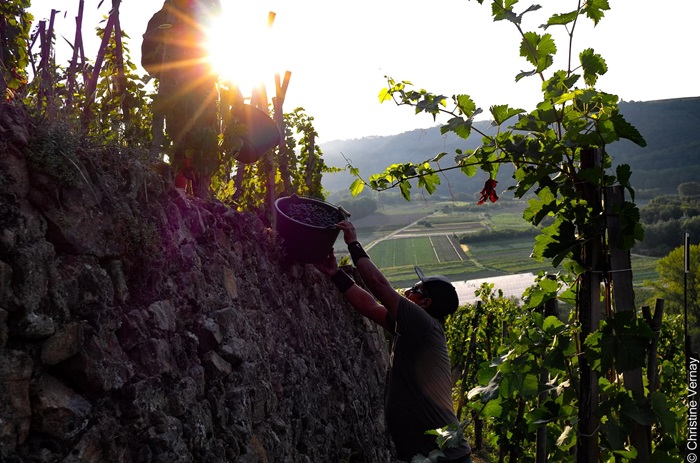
623 296
589 314
281 86
78 52
278 116
92 83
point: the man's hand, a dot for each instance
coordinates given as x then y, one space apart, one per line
349 233
329 265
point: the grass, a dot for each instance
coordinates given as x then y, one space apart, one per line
509 221
402 252
508 256
644 269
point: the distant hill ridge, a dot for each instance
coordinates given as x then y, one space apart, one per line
670 127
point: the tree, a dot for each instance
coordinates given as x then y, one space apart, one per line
360 207
671 274
671 283
689 189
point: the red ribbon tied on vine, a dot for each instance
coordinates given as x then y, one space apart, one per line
489 191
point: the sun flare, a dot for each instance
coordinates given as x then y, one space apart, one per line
240 47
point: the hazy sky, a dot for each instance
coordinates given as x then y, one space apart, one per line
339 52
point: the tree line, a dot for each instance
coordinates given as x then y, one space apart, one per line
666 218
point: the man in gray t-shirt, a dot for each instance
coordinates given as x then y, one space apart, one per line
419 395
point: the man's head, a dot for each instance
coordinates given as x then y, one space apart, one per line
440 293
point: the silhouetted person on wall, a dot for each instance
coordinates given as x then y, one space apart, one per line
173 51
420 382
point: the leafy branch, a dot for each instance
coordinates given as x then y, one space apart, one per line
559 154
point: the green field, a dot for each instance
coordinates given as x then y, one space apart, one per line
409 236
508 256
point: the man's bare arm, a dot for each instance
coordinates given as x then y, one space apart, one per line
368 307
375 280
361 300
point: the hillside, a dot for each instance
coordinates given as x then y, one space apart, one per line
672 155
138 324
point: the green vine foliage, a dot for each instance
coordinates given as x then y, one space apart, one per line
123 105
530 380
15 24
120 108
306 168
517 371
545 145
302 172
119 112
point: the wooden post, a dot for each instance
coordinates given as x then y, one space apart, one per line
278 103
77 45
589 313
46 86
623 295
550 309
121 77
91 85
311 162
470 358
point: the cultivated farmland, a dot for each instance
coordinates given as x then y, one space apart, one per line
409 235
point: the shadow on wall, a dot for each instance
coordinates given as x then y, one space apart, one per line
138 324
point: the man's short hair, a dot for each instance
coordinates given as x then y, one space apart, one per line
442 292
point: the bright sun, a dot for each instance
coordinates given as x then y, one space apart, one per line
240 46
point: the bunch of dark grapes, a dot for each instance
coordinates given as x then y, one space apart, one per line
313 214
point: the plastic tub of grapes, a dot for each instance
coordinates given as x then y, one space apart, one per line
307 227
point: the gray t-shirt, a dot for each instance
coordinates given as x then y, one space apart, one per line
420 384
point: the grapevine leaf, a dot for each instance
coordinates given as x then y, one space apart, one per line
459 126
469 169
356 187
631 230
528 386
561 19
438 157
502 113
493 408
466 105
429 182
538 50
626 130
544 290
384 95
639 412
622 340
488 392
593 66
522 74
564 436
405 188
623 173
595 9
615 434
662 408
500 14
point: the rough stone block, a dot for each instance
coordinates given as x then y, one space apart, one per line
57 410
15 407
64 344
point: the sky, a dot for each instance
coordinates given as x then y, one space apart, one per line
339 53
